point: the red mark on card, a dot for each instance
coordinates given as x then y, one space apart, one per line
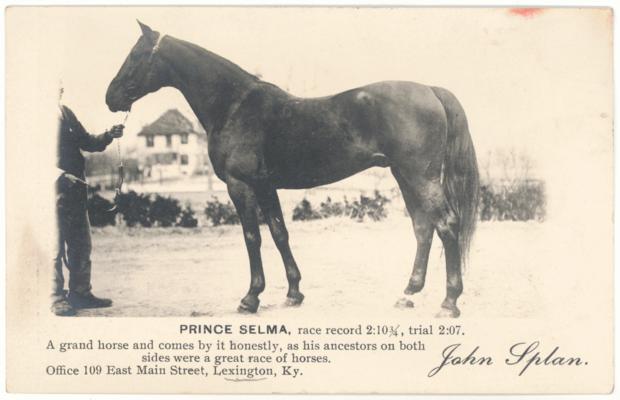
525 12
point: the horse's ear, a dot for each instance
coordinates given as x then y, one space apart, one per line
146 30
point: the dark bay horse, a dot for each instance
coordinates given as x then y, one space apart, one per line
262 139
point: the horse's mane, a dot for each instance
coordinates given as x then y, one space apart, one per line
221 60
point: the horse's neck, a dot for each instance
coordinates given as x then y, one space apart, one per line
211 84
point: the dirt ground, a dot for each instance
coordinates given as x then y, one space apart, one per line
347 267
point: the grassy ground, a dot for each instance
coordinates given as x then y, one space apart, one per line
347 267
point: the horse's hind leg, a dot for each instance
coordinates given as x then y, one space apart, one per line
423 229
454 281
270 205
433 213
445 222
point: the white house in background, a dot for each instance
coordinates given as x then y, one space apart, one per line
171 147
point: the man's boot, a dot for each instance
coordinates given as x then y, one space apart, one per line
88 300
62 308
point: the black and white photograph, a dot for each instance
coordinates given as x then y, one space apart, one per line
432 186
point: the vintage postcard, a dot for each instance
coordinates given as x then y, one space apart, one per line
309 200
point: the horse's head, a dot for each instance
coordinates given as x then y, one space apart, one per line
140 74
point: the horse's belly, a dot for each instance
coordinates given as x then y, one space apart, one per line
308 171
310 179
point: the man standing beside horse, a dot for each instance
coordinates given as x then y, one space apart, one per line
74 241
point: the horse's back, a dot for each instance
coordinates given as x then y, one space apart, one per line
400 115
405 93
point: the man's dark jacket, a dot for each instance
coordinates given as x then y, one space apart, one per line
72 137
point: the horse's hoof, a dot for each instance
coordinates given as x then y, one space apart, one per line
404 303
248 305
445 312
294 300
413 288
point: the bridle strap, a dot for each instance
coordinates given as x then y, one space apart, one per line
121 170
156 46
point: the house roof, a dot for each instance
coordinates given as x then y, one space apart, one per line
169 123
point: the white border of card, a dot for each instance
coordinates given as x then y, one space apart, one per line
537 311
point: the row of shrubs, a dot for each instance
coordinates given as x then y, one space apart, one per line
522 202
372 208
146 210
140 209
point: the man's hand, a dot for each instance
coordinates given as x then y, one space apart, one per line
116 131
72 180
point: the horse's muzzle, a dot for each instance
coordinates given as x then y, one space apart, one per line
116 100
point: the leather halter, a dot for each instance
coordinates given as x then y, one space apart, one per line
156 46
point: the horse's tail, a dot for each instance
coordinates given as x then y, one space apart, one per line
460 171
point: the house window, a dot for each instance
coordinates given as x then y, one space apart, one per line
184 138
150 141
168 140
184 159
164 158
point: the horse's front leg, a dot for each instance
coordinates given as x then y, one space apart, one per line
244 199
270 205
